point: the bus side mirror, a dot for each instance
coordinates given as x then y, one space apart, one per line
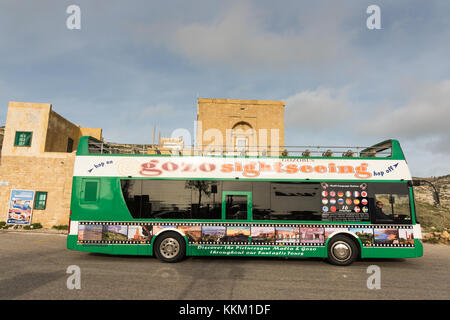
435 191
414 183
436 198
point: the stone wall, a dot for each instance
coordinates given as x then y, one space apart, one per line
58 132
49 174
434 236
22 116
264 118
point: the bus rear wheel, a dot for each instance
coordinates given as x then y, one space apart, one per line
170 247
342 251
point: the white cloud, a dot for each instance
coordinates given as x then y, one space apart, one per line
321 108
425 117
240 38
422 124
160 110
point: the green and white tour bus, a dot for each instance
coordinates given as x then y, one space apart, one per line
342 207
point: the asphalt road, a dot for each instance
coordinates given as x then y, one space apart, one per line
33 266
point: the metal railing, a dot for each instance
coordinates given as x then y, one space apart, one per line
258 151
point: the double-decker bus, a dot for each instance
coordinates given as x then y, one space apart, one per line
306 203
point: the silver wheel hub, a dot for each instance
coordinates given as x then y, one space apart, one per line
341 251
169 248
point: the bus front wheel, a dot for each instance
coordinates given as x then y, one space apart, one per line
342 251
170 247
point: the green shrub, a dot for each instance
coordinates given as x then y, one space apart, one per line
33 226
3 225
36 225
61 227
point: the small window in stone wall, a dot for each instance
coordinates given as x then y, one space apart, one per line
40 200
69 144
23 139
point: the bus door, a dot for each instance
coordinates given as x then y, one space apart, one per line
236 205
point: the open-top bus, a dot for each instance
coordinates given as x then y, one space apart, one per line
315 204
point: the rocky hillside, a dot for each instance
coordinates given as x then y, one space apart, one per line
434 219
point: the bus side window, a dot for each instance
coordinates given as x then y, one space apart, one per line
90 190
132 194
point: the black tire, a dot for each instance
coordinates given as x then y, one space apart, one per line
170 247
342 251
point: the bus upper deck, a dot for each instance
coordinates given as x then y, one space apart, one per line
389 149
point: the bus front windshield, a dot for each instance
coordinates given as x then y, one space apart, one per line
392 208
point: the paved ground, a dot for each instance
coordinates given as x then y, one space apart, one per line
33 266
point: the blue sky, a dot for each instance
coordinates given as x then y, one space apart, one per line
138 63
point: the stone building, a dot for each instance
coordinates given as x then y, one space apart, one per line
38 154
250 127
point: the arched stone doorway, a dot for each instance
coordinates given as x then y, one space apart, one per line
243 137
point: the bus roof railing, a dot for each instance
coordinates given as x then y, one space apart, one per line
385 149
